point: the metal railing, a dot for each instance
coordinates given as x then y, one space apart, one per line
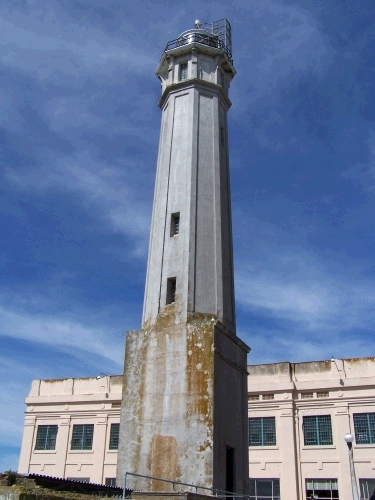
219 35
212 491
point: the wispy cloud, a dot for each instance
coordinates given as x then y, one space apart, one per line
61 334
99 184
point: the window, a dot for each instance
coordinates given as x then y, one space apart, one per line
322 394
222 136
264 489
80 479
367 487
262 431
317 430
307 395
114 435
82 437
175 224
110 481
254 397
46 437
267 397
183 71
322 488
364 428
171 290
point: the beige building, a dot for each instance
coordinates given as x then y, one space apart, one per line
72 428
299 414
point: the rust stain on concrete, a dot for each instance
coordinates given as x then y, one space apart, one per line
163 460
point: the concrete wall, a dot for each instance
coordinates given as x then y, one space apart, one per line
193 179
65 402
184 402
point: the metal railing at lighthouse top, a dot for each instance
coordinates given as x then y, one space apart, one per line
217 34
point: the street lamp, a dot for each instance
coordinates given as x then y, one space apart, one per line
349 438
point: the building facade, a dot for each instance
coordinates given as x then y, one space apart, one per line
72 429
298 416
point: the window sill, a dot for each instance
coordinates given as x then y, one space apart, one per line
364 445
38 452
319 447
266 447
80 451
112 451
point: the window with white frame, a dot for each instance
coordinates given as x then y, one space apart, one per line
364 428
317 430
46 437
264 489
262 431
322 488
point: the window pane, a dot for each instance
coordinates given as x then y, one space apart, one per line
110 481
269 432
252 486
264 489
114 436
325 429
183 71
310 431
255 432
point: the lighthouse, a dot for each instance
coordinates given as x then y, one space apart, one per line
184 406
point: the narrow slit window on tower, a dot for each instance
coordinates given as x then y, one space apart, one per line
222 135
171 290
183 71
175 223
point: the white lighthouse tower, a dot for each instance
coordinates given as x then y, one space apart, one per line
184 408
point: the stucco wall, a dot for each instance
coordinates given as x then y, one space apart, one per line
338 388
65 402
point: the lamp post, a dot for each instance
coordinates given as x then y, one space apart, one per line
349 438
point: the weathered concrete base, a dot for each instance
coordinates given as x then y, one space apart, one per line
184 403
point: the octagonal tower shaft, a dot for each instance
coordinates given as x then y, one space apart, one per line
184 406
192 187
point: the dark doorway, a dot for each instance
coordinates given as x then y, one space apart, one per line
229 481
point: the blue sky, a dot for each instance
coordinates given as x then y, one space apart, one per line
79 138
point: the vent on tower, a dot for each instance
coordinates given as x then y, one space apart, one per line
175 223
171 291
